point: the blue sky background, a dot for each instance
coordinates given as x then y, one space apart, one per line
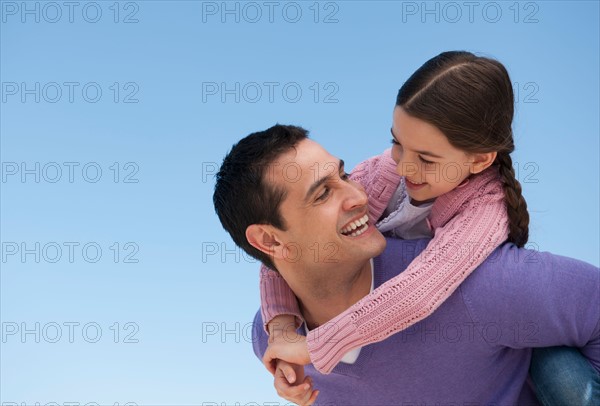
181 294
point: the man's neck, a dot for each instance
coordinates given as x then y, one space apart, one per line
318 309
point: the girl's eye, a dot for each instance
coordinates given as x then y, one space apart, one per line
393 141
345 176
323 195
425 161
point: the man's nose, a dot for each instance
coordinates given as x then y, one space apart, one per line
356 196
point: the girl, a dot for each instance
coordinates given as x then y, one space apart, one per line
452 140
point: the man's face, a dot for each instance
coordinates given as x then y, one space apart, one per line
325 212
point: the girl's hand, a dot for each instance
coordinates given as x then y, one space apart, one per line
286 345
286 376
280 323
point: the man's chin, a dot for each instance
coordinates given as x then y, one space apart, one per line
378 242
383 243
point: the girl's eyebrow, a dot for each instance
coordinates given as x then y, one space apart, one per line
431 154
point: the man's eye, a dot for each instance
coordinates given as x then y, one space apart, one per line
323 195
345 176
393 141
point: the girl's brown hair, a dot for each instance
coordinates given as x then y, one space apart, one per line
470 99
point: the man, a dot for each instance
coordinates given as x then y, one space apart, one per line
285 200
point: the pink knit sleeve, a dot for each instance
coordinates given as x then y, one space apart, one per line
276 298
469 222
379 178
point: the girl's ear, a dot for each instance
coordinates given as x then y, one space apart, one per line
482 161
263 238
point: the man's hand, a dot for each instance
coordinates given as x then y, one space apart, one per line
286 376
286 345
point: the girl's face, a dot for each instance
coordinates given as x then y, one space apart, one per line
430 165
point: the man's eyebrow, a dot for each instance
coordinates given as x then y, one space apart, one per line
316 184
431 154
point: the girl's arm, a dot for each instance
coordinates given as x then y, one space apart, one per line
278 304
470 222
379 178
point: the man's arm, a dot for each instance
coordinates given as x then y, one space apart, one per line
260 340
524 298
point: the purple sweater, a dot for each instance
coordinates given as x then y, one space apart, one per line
475 349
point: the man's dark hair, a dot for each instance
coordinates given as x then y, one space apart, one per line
243 193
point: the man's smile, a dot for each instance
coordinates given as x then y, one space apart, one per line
356 227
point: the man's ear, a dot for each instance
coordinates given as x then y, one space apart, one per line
482 161
263 238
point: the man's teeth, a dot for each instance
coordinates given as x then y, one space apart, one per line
359 225
415 183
